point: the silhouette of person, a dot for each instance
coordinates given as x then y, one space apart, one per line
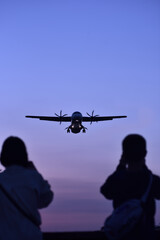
130 180
22 192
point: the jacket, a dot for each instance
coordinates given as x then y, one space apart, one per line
30 192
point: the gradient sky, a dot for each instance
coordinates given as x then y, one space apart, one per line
80 55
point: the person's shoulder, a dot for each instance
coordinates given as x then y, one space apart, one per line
2 174
33 172
156 177
156 186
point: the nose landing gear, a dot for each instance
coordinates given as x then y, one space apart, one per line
75 129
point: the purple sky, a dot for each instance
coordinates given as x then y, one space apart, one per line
80 55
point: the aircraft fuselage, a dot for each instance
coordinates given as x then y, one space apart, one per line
76 123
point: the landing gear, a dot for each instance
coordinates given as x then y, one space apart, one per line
84 129
68 130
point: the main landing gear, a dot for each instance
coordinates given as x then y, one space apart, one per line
84 129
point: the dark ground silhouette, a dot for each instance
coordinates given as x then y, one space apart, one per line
95 235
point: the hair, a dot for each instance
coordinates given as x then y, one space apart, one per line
134 148
13 152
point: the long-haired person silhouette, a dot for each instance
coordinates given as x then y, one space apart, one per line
23 191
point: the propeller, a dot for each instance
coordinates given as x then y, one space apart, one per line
92 116
60 116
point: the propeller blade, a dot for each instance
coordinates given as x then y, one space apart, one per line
60 116
92 116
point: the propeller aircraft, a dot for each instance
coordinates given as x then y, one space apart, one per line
76 120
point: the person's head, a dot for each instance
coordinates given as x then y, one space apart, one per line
13 152
134 148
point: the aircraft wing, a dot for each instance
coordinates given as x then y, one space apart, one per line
48 118
103 118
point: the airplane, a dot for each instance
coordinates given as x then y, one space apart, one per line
76 120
